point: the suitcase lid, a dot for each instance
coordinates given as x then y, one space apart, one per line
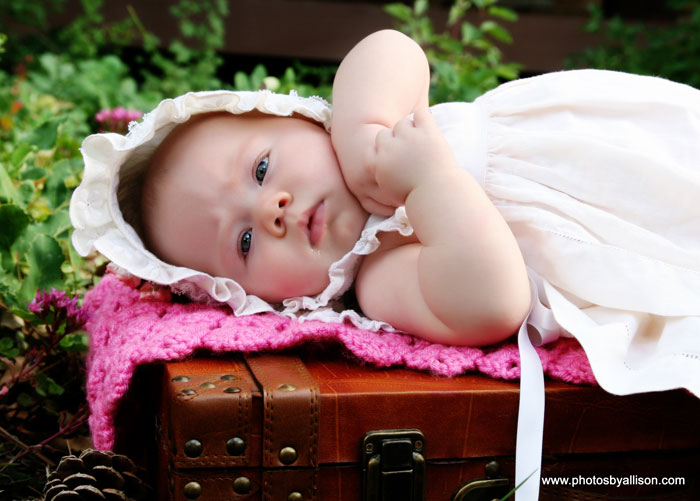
320 406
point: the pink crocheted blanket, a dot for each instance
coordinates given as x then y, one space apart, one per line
130 326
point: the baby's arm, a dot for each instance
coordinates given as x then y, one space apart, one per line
464 281
384 78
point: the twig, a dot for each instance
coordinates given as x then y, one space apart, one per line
79 418
26 448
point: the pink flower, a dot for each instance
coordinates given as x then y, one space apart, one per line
103 115
119 113
117 119
56 306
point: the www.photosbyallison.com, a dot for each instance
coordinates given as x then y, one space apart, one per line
618 481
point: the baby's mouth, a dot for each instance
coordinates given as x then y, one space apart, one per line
316 223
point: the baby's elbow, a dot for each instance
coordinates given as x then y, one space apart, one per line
507 319
497 320
512 307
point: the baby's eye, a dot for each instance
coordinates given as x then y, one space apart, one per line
261 170
246 240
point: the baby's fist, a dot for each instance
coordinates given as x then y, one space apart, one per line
409 154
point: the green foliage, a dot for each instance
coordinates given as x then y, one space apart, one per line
190 63
292 79
31 12
90 84
464 58
669 50
38 170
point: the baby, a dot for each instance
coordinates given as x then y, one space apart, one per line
564 204
263 200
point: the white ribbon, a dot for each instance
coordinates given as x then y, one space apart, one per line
528 448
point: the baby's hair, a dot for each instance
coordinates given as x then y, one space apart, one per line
141 173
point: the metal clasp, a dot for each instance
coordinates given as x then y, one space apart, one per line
484 489
393 465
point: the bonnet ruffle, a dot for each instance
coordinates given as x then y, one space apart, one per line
100 225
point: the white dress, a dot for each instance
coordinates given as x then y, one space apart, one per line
598 175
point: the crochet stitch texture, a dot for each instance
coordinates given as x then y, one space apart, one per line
128 329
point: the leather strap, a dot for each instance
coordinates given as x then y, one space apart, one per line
282 484
291 410
208 413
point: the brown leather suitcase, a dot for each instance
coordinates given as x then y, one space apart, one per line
311 426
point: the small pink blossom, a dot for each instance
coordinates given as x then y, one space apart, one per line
117 119
58 306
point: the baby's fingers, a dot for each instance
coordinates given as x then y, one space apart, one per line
402 126
383 137
424 118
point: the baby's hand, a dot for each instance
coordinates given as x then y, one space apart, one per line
408 155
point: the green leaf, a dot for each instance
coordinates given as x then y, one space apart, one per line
25 400
241 81
420 7
56 224
44 137
8 193
44 259
257 76
47 386
400 11
25 193
496 31
8 348
32 173
503 13
76 342
13 220
55 189
469 33
20 153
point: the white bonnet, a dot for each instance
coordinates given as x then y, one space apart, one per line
110 158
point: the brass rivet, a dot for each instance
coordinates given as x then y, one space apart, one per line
232 389
235 446
369 447
286 387
193 490
288 455
188 391
193 448
180 379
492 469
228 377
207 386
418 445
295 496
242 485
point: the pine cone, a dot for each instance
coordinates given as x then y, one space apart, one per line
97 475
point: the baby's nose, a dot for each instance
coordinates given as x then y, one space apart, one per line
273 212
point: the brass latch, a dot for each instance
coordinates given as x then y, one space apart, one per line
393 465
484 489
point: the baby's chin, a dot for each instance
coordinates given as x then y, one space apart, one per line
292 291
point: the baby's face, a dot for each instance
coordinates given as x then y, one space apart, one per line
257 199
